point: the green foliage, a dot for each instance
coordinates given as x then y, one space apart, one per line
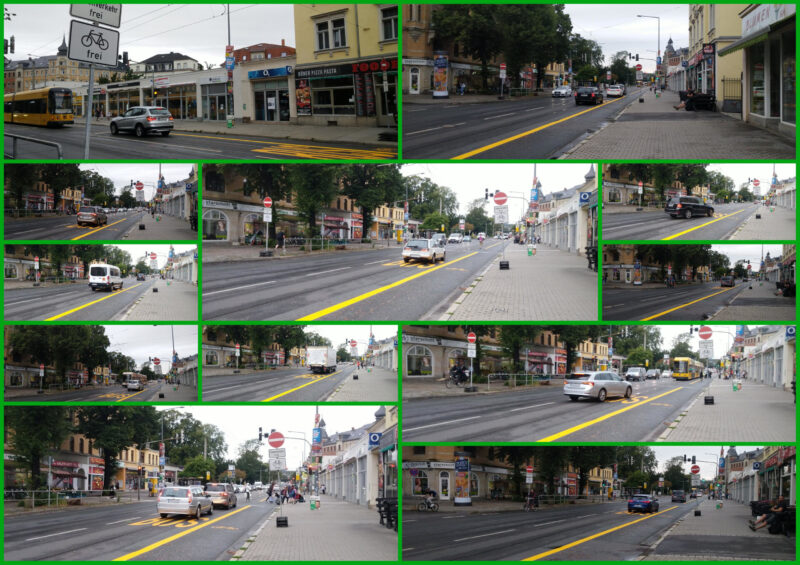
342 355
371 186
514 338
314 187
249 461
573 336
638 356
32 432
426 197
199 467
435 222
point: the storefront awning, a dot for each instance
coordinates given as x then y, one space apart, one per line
757 37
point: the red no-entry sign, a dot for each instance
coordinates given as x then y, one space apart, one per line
153 256
695 469
471 337
156 361
139 186
705 332
353 343
275 439
500 198
267 202
638 67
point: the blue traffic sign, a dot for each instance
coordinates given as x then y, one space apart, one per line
658 60
584 197
374 439
790 332
756 465
684 64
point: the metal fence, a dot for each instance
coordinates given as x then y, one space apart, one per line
515 379
20 500
732 95
15 139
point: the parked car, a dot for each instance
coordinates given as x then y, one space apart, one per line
91 215
635 374
614 90
562 92
258 485
653 374
596 384
106 277
588 95
467 238
455 238
188 501
424 250
687 207
143 120
222 494
666 374
623 88
140 276
678 496
642 503
727 281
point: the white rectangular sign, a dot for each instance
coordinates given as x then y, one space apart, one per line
706 349
471 353
92 44
267 215
501 214
695 482
106 14
277 464
277 453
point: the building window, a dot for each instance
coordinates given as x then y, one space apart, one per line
389 23
419 361
789 72
421 482
331 34
211 358
419 450
215 225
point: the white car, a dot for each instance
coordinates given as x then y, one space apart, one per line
562 92
425 250
455 238
666 374
614 90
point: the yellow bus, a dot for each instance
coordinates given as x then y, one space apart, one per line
686 369
41 107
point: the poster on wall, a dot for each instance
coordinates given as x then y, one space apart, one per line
369 90
461 495
440 67
303 97
360 102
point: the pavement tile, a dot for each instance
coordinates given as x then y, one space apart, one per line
551 285
337 531
175 300
374 384
757 304
775 224
168 228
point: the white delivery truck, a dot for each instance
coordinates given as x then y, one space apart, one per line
321 359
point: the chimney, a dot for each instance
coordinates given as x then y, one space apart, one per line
283 43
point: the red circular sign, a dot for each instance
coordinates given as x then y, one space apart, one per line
41 365
353 343
500 198
152 256
156 361
756 182
471 337
275 439
267 202
139 186
705 332
641 184
502 66
695 469
749 267
237 346
638 67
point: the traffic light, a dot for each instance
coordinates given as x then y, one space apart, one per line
260 435
155 92
486 194
637 56
12 43
684 459
694 460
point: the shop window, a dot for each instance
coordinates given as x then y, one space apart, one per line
788 77
10 271
215 225
389 23
212 358
419 361
419 450
757 82
473 484
421 482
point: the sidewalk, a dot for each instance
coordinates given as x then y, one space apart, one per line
412 99
374 384
175 300
759 303
337 531
775 224
226 252
168 228
432 387
755 413
175 393
655 130
9 284
719 533
551 285
342 134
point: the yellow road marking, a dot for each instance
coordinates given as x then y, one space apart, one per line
97 230
306 376
684 305
574 429
68 312
702 225
594 536
371 293
165 541
529 132
299 387
127 396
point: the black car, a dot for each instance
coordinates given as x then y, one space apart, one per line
588 95
140 276
688 206
678 496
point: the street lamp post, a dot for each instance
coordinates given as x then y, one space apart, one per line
658 65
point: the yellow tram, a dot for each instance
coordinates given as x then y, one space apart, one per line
42 107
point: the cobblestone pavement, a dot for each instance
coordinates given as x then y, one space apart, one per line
775 224
374 384
759 303
167 228
720 532
655 130
175 300
551 285
756 413
337 531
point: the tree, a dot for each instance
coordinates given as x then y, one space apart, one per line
674 473
198 467
288 337
248 460
477 217
371 186
434 222
315 188
513 338
426 197
19 178
60 176
342 355
517 455
640 357
691 175
550 462
32 432
573 336
260 339
586 457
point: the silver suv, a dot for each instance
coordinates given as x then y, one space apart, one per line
188 501
142 120
430 250
91 215
222 494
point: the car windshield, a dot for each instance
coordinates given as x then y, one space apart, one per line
215 488
586 90
176 492
580 377
417 243
677 492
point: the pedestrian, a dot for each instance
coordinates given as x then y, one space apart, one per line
97 113
688 103
281 241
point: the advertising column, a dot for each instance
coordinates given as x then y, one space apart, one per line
440 72
462 497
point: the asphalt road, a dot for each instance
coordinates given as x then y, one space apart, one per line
560 534
358 285
546 414
110 393
546 127
181 145
73 302
682 303
661 226
295 384
132 532
67 228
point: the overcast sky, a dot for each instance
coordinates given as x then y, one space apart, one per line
753 253
339 333
241 423
722 336
122 175
468 181
741 172
197 30
137 251
616 28
706 456
141 342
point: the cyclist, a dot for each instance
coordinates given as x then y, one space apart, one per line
430 496
532 501
480 239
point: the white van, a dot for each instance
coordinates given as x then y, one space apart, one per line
107 277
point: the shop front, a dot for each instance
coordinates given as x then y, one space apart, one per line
387 464
348 93
215 97
271 94
335 227
65 475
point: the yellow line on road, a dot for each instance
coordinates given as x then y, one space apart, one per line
529 132
127 396
371 293
684 305
98 229
68 312
574 429
299 387
152 546
702 225
594 536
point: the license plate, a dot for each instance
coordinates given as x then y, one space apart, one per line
173 500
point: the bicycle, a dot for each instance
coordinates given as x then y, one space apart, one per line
94 37
454 380
530 506
425 506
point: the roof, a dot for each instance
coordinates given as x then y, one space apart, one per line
168 58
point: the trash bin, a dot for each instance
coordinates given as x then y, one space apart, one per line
737 385
314 500
531 250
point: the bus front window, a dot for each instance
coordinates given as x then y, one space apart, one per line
61 102
680 367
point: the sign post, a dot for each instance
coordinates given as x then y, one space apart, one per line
501 213
267 218
502 78
36 267
238 354
471 353
41 377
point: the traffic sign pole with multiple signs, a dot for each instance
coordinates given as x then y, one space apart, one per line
267 219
